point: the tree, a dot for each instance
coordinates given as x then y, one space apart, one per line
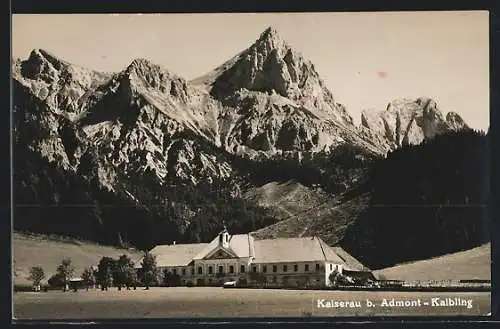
88 277
149 271
36 276
124 273
337 278
132 278
105 270
65 271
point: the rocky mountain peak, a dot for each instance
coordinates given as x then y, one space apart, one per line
269 64
42 65
269 32
146 75
143 66
455 121
407 121
270 40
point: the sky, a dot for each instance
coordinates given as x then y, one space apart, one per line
365 59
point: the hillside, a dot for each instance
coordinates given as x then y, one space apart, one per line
286 198
48 252
328 218
425 200
464 265
420 202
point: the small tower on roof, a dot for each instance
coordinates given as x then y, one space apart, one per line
224 237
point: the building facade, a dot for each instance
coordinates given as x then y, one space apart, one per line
287 261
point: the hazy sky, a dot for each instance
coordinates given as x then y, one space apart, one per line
366 59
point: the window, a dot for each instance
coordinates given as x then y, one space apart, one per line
210 270
275 268
221 269
306 268
174 271
200 270
231 269
192 271
220 238
285 268
295 268
183 271
242 268
317 267
254 269
331 266
264 268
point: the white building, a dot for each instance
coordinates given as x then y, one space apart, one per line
291 261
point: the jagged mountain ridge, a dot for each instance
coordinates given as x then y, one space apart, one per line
145 119
134 116
407 121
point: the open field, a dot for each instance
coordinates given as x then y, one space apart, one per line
47 252
219 302
465 265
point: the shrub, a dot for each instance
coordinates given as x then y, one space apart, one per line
56 281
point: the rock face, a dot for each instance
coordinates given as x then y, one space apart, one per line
268 101
407 121
141 118
278 103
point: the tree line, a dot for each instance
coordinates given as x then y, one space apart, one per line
109 272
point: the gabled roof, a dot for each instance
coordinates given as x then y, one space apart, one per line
351 263
240 244
263 251
293 250
175 255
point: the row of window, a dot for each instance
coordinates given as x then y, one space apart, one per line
268 280
285 268
242 269
254 268
210 270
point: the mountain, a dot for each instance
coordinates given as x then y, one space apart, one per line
143 156
280 104
407 121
